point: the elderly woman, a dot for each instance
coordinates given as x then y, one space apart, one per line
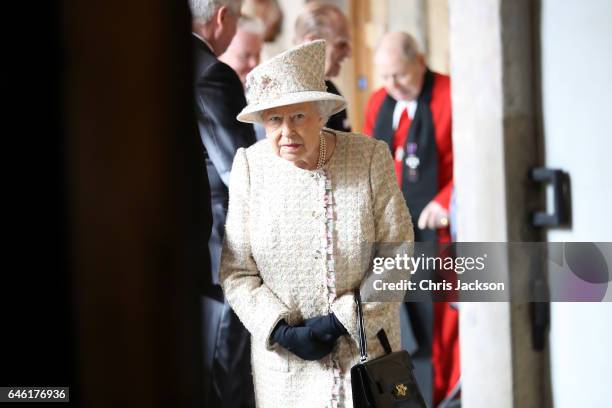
303 205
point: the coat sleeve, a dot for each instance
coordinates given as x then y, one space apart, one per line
254 303
392 225
220 98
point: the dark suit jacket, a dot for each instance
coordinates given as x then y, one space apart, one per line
219 98
338 121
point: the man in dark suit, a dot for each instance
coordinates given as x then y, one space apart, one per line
244 54
219 97
323 21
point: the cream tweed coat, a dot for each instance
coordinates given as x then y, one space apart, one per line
273 268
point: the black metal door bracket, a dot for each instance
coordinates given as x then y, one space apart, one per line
561 216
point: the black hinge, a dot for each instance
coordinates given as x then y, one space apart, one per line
562 213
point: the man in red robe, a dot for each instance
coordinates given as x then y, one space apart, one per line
412 113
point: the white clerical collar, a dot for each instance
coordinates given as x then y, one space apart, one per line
204 41
400 106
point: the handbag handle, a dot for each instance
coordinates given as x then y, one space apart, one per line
363 341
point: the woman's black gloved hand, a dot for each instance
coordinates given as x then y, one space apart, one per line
326 328
301 341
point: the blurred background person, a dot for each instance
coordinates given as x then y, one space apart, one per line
412 114
244 53
269 13
219 97
327 22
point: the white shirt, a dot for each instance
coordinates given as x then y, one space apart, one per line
400 106
204 41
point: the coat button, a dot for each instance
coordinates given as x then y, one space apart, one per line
317 214
317 254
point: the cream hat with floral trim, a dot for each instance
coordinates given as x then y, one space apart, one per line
294 76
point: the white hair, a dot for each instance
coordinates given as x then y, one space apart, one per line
251 25
325 109
316 18
205 9
409 47
403 43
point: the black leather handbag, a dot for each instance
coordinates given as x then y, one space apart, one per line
386 381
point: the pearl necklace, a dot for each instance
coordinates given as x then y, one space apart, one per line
322 151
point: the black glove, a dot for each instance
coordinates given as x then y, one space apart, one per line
326 328
300 341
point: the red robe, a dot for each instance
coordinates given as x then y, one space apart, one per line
442 118
445 347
